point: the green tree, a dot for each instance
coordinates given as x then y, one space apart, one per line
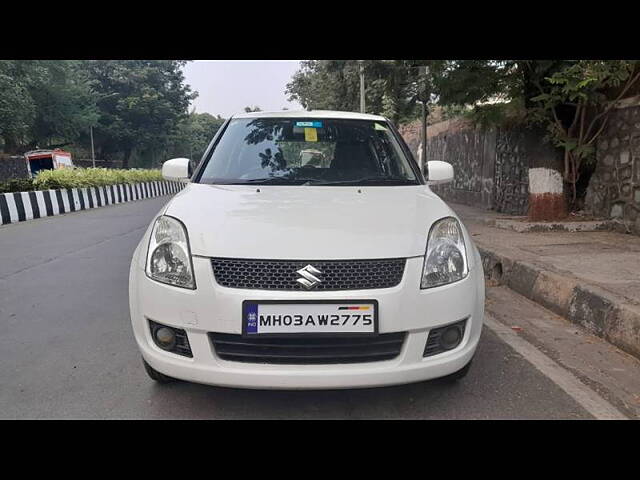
43 102
141 103
65 105
570 99
392 87
574 104
194 135
17 108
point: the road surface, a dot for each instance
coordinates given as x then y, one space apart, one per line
68 351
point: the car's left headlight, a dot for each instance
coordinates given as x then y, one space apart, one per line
446 256
169 256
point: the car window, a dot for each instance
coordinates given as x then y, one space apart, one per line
313 151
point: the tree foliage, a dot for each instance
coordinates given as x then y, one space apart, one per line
392 86
193 135
133 105
43 102
17 108
570 99
473 82
141 104
574 104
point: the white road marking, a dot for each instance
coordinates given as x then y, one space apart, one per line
76 199
54 202
65 200
13 209
567 381
26 202
41 205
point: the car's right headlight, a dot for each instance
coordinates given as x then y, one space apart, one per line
169 256
446 257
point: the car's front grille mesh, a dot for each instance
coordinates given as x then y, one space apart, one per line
310 350
281 274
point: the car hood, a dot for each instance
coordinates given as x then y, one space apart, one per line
307 222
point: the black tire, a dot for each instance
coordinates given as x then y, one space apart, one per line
456 376
156 375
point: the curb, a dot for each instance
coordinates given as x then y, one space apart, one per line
522 226
575 226
598 311
23 206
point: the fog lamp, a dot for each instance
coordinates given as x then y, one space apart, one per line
451 337
165 338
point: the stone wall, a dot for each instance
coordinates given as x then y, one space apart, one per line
511 175
12 167
490 166
614 189
472 153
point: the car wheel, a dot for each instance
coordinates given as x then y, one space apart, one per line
156 375
455 376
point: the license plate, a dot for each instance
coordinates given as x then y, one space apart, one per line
330 317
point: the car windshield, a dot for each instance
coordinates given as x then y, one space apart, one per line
296 151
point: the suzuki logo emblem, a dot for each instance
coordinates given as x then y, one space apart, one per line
309 279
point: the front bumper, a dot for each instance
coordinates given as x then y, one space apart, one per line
211 308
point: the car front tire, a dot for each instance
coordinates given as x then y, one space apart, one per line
156 375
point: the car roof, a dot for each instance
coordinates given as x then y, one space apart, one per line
312 114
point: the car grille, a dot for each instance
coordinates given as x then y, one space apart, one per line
281 274
309 350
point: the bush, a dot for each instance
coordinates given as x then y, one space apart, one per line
92 177
79 178
17 185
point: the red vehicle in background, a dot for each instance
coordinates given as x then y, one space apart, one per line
47 160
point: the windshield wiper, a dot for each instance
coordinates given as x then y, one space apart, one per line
272 180
369 181
320 182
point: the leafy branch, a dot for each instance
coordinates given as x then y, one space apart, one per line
586 89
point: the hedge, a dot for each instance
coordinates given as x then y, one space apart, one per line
17 185
80 178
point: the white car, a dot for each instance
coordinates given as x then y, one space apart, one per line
265 273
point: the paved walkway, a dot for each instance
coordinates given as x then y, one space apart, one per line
606 259
590 278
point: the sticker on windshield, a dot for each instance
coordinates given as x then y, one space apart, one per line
310 134
309 124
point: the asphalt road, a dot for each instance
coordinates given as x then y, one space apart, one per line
67 349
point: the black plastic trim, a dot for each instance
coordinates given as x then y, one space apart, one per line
182 345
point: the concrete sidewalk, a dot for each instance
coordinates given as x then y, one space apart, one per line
591 278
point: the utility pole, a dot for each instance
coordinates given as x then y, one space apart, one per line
362 107
423 156
93 155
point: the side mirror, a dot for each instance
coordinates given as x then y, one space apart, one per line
176 170
439 172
